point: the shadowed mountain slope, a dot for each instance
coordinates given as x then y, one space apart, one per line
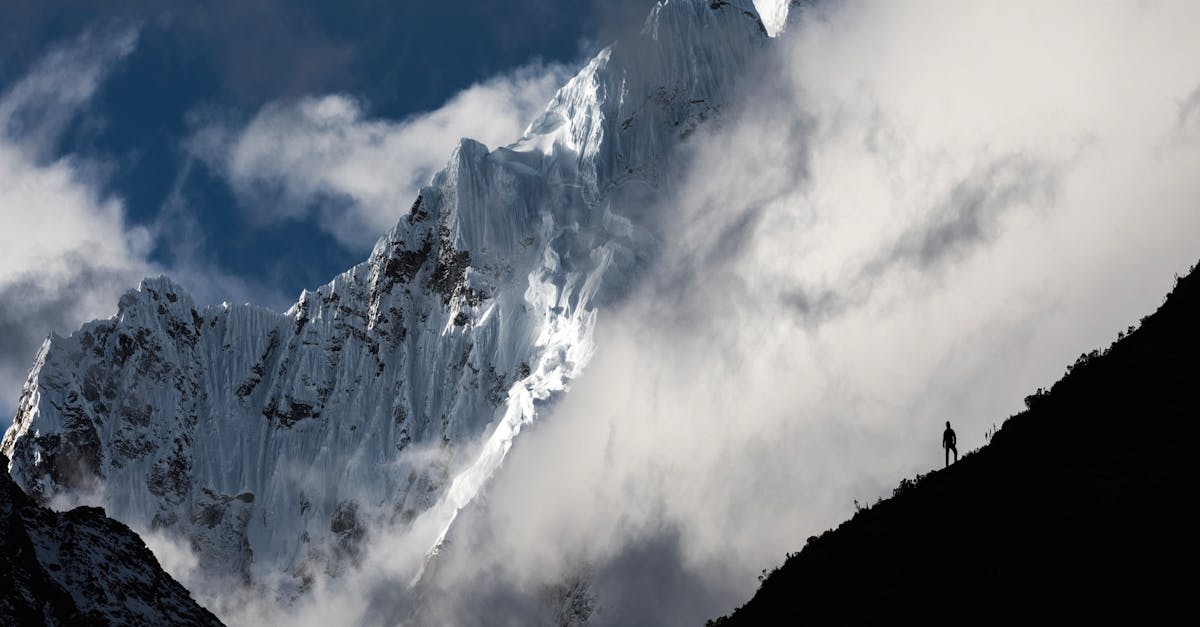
81 568
1076 510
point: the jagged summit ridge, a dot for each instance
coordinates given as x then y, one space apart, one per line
275 442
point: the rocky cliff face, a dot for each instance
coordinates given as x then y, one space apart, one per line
274 443
82 568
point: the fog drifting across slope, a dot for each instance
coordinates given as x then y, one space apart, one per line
925 214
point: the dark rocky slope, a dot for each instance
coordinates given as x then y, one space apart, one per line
81 568
1077 511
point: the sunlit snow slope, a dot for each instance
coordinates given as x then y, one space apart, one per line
274 443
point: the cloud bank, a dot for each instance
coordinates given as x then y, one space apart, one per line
926 213
325 157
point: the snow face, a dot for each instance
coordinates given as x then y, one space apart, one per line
774 14
275 443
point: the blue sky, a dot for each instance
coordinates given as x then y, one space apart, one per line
409 60
248 149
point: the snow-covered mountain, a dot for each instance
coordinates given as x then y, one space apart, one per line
274 443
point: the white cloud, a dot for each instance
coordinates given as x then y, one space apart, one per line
174 556
324 155
35 110
927 213
65 250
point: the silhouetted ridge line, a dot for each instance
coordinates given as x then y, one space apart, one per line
81 568
1074 511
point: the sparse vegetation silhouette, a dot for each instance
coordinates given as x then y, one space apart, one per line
1064 515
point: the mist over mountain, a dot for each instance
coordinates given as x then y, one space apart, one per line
347 433
730 280
1064 515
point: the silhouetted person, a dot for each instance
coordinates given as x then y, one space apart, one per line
950 443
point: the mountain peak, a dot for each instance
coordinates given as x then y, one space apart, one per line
396 390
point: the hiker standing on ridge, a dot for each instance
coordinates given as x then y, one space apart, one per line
950 442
